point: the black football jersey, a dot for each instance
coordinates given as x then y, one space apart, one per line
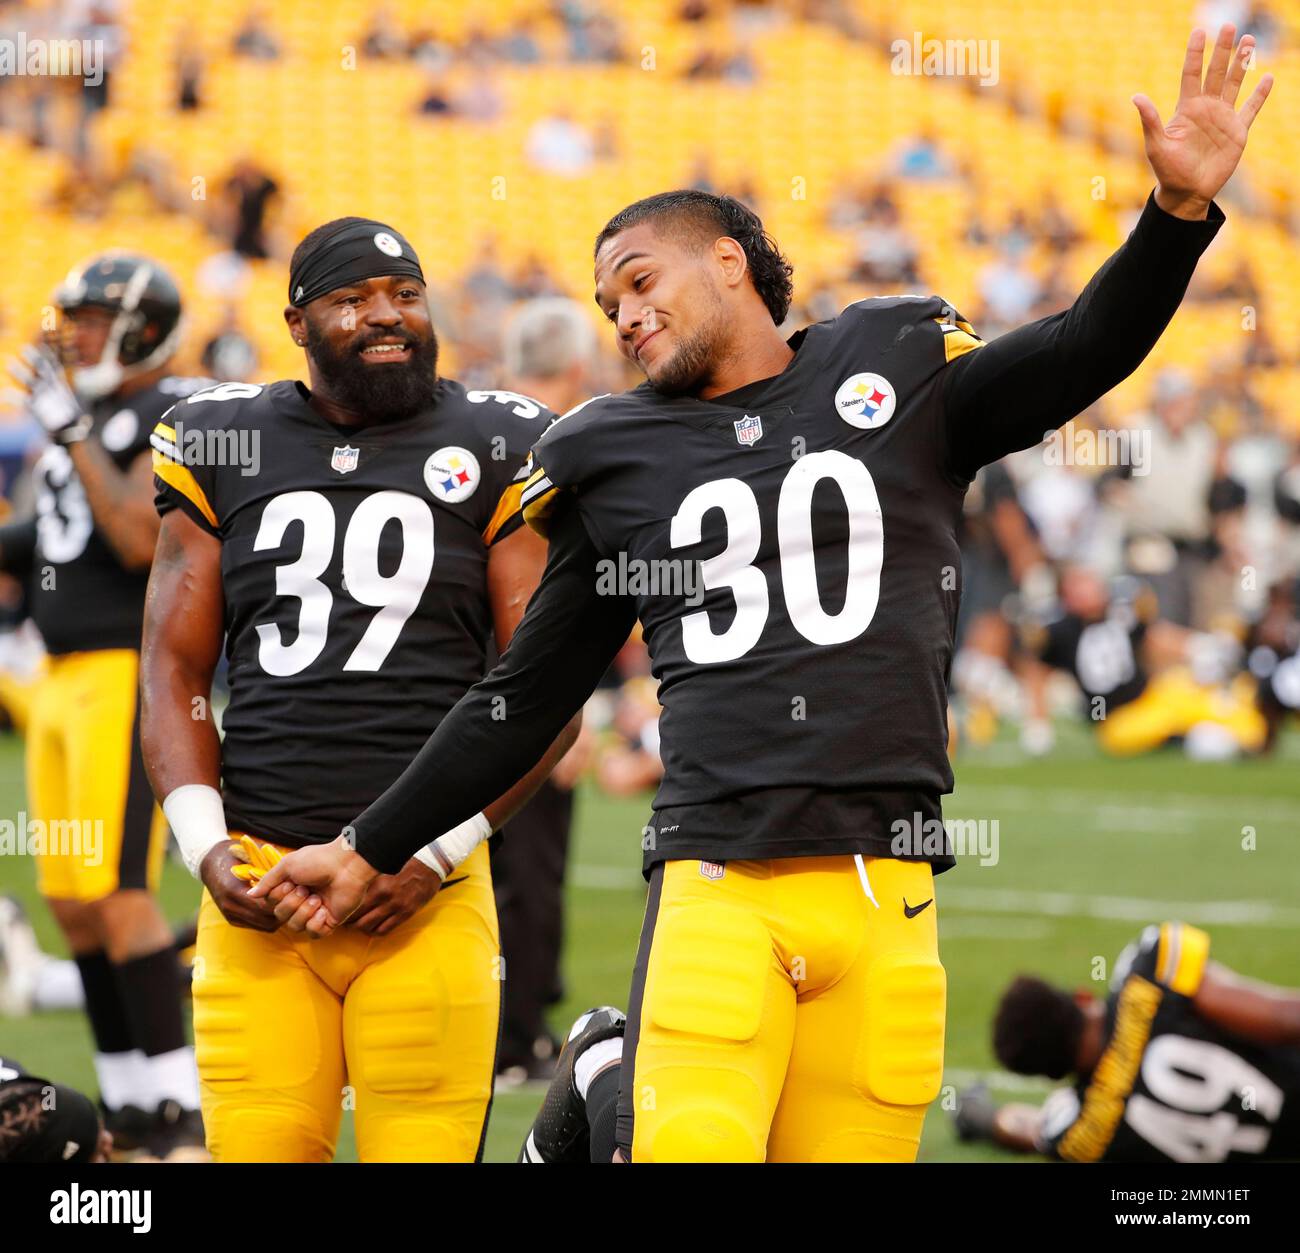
80 596
795 542
1105 657
1170 1086
354 567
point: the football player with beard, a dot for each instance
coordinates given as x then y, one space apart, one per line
353 542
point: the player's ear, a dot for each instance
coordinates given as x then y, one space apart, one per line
297 324
1083 997
731 260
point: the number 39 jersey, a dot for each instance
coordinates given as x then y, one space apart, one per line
81 597
792 550
354 569
1171 1086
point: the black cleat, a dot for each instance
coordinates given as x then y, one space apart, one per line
177 1133
132 1127
560 1132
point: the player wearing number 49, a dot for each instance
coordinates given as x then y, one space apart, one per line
354 543
788 999
1185 1061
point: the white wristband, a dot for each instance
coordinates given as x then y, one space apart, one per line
451 848
198 820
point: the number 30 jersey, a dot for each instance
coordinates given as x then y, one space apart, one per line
354 569
809 521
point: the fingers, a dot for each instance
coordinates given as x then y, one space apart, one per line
1192 62
277 874
1256 100
1237 70
297 909
22 374
1219 61
368 922
289 904
321 923
1151 123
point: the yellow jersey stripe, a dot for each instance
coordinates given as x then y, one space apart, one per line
1181 956
182 479
537 511
958 342
506 509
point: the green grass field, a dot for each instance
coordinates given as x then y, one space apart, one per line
1089 851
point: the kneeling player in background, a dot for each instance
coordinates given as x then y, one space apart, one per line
1185 1061
97 388
1147 682
355 565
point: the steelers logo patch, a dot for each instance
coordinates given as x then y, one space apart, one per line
388 245
865 401
452 474
120 430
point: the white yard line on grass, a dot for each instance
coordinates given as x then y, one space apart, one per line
1118 908
1191 806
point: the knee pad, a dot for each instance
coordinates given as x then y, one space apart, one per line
708 972
398 1037
241 1130
900 1055
710 1133
233 1048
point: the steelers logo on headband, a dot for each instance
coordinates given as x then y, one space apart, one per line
346 252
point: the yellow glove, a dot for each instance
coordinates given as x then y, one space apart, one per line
257 858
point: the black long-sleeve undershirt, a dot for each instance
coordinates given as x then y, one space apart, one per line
501 728
1001 398
1009 394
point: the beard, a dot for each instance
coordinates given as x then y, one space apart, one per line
696 357
383 393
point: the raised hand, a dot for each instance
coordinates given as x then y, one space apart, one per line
1196 153
47 395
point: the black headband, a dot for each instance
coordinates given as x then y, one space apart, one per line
354 250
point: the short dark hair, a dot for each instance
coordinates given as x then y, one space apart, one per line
1037 1029
707 215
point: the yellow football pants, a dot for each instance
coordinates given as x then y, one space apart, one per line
780 1012
401 1028
1171 705
86 781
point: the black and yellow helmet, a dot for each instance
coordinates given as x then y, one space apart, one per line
146 304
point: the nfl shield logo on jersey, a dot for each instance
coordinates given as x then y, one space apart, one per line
749 430
713 869
344 459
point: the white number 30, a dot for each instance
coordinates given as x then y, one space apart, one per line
733 568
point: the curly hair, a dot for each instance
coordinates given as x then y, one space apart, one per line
709 217
1037 1029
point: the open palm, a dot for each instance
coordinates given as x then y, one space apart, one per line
1196 152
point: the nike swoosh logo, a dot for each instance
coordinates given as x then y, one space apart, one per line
912 910
446 883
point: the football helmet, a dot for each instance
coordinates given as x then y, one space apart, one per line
145 305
